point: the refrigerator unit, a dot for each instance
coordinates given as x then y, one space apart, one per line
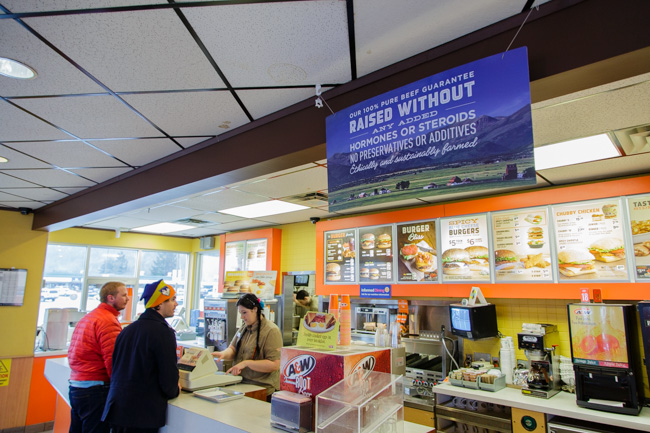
603 348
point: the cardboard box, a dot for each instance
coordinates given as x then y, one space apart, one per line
311 371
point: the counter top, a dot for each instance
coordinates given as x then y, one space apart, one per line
562 404
187 413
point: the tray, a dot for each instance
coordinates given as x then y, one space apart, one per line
218 394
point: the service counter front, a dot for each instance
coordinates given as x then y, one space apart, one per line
187 413
562 404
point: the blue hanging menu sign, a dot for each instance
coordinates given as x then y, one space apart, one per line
375 291
465 129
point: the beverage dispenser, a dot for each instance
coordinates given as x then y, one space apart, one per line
220 316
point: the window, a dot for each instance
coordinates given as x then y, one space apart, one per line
208 278
112 262
165 265
63 278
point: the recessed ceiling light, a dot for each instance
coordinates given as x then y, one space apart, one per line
266 208
3 159
161 228
573 152
14 69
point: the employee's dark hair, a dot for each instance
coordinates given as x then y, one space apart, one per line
251 301
301 294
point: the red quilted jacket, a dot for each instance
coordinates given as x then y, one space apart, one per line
91 350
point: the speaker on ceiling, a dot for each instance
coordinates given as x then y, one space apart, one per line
207 242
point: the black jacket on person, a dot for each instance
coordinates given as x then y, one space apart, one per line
145 374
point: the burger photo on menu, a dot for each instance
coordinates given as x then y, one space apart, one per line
576 262
374 273
333 272
409 251
454 262
535 237
368 241
384 241
608 249
364 273
478 258
425 261
505 260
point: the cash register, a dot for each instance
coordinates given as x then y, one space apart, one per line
198 370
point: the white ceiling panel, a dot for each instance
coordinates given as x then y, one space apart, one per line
164 58
16 6
220 218
198 232
37 193
66 154
126 222
10 196
190 141
9 181
301 182
190 113
137 152
388 31
16 125
608 168
55 76
270 175
19 160
164 213
295 217
243 225
70 190
91 116
223 199
101 174
19 204
262 102
52 177
277 43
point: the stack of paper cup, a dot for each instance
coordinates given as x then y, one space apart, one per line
507 356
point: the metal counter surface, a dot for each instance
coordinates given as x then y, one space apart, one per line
562 404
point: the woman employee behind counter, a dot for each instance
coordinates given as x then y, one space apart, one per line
255 349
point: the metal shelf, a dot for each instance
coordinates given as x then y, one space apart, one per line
488 420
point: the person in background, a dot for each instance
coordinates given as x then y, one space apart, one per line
255 349
90 357
145 374
304 303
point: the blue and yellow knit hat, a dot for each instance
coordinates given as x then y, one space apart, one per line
156 293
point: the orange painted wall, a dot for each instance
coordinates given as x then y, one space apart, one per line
549 196
42 396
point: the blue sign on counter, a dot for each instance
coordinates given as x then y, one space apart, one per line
375 291
462 130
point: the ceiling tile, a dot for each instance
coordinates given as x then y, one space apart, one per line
137 152
190 113
119 222
164 213
279 43
55 76
19 204
190 141
91 116
19 160
101 174
301 182
17 6
243 225
67 154
36 193
7 180
220 218
165 56
266 101
198 232
295 217
223 199
16 125
271 175
598 170
70 191
52 177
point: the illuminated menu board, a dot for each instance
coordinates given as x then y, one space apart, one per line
376 254
590 241
522 251
639 209
464 243
417 258
340 253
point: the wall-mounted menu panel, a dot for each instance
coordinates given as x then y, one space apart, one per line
376 254
417 258
590 241
340 253
464 243
234 254
522 251
639 210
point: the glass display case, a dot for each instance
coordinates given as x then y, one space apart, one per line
364 402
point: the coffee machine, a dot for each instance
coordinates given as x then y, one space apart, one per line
538 341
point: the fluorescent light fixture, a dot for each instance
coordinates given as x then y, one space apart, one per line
573 152
163 228
265 208
3 159
14 69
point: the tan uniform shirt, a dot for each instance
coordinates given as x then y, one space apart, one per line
301 310
270 343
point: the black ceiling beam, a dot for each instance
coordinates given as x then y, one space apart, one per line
561 36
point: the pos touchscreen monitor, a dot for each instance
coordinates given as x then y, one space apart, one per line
473 322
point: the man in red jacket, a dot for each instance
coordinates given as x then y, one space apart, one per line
91 357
